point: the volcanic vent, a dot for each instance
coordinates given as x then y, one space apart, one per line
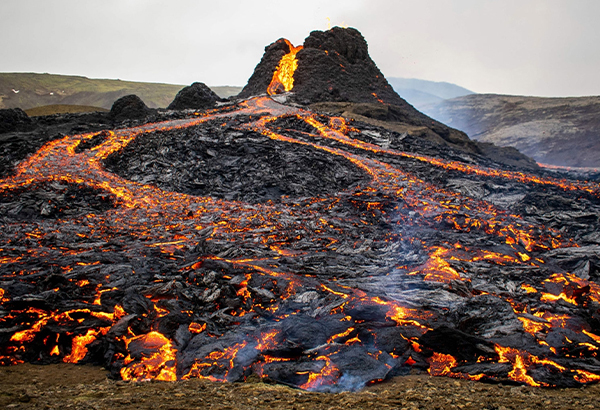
443 263
329 66
332 72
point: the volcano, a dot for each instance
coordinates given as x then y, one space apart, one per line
264 238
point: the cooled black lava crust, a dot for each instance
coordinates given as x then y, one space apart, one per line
52 200
222 162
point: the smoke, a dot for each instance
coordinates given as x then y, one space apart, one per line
347 382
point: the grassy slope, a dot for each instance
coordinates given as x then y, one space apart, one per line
61 109
49 89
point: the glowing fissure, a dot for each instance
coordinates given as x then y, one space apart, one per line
283 77
167 222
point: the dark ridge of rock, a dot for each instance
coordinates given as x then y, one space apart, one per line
14 119
129 107
196 96
462 346
263 73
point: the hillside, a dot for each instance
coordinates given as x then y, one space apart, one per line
557 131
61 109
28 90
421 92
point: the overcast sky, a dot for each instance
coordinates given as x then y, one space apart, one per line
525 47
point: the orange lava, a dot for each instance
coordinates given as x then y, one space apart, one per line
159 365
283 77
167 221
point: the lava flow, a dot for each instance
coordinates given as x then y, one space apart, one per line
283 77
130 265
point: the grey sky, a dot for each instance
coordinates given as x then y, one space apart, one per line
527 47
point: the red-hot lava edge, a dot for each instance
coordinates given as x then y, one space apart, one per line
167 221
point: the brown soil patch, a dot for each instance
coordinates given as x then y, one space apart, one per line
86 387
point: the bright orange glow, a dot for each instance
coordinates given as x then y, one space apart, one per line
220 359
533 327
528 288
521 361
586 377
196 327
340 335
441 364
267 340
160 365
519 372
80 343
283 77
327 375
437 269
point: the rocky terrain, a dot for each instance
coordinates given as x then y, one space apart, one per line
557 131
56 387
264 239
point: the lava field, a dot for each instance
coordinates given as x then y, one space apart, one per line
263 238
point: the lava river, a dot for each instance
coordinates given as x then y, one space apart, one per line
157 284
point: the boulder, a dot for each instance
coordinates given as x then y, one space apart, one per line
129 107
196 96
14 119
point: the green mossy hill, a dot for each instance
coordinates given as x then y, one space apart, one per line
29 90
62 109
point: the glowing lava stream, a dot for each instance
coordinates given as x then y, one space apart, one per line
283 77
170 214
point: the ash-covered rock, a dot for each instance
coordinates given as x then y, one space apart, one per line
196 97
14 119
129 107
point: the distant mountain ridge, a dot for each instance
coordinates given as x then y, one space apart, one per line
422 92
556 131
29 90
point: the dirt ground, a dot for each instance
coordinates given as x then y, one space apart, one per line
86 387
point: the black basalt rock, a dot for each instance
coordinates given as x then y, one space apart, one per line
461 345
14 119
196 96
334 65
129 107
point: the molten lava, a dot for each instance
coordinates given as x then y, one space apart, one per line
283 77
223 315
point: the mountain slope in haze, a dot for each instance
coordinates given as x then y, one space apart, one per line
557 131
28 90
421 92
